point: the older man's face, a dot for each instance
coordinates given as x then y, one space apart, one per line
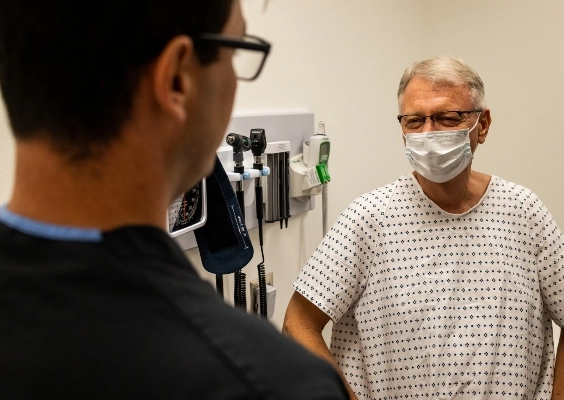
423 97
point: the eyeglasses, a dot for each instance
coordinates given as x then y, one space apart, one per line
250 55
446 119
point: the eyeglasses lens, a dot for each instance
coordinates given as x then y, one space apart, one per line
448 119
247 63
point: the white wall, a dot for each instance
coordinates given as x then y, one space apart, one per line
342 60
516 46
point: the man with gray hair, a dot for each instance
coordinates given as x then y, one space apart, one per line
443 284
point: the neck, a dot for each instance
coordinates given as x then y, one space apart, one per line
91 193
459 194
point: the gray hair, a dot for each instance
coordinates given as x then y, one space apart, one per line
451 71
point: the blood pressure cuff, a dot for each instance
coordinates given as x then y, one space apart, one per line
224 243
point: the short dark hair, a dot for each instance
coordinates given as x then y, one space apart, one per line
69 68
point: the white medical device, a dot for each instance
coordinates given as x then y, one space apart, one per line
309 172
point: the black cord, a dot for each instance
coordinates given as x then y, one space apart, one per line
262 293
243 292
260 266
239 300
219 285
237 289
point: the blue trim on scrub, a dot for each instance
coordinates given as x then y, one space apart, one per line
48 231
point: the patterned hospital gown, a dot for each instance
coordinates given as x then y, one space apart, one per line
432 305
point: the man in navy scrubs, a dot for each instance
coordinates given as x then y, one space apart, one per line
117 108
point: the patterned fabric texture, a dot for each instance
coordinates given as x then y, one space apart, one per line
432 305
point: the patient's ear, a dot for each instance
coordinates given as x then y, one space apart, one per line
485 121
172 77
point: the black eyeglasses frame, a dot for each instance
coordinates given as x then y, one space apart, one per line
236 43
432 117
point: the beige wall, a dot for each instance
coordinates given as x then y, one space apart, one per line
342 60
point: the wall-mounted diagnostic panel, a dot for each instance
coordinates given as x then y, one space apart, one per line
285 134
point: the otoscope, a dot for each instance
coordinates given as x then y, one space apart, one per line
258 145
240 144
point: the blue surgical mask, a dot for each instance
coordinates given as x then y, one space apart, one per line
440 155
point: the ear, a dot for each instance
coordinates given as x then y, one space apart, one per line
485 121
172 78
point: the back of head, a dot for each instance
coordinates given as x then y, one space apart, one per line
69 68
445 70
